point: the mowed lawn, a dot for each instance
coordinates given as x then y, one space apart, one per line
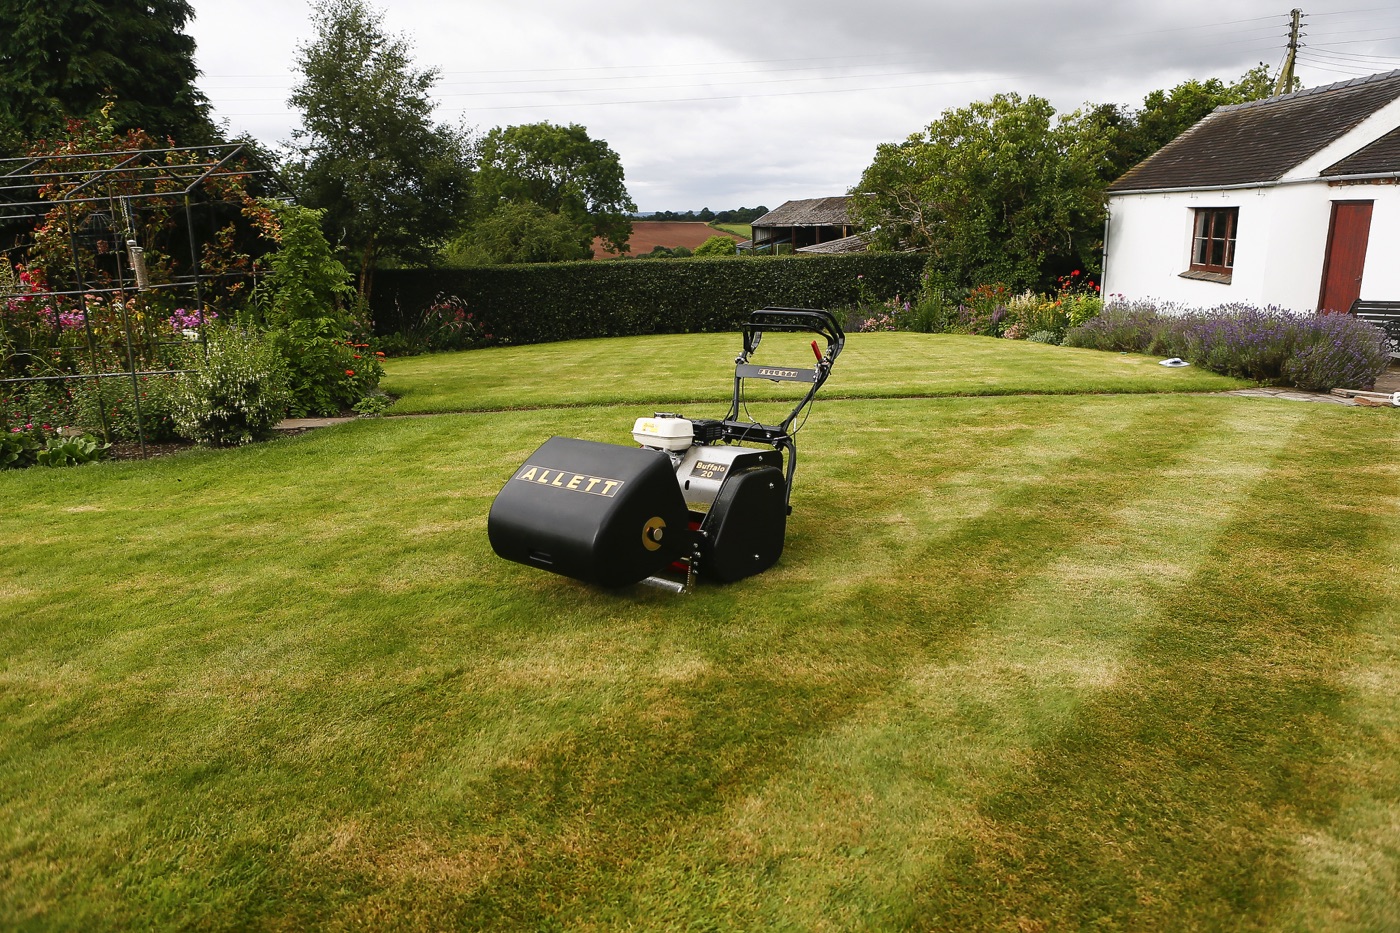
1029 662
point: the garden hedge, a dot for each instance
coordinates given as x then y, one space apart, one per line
566 301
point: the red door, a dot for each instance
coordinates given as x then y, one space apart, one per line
1346 254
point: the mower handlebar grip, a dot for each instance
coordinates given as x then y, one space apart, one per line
815 320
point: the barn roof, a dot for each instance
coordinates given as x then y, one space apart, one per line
848 244
810 212
1262 140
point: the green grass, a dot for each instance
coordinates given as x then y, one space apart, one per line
1028 662
671 370
743 230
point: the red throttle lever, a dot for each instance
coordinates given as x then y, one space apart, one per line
816 351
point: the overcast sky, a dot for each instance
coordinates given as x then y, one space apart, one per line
722 104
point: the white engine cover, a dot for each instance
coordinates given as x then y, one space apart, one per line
664 433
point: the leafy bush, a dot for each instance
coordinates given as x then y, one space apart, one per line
18 449
1317 352
1122 327
236 395
71 451
1337 350
717 245
95 402
306 281
328 372
444 324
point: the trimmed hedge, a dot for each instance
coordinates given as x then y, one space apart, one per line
568 301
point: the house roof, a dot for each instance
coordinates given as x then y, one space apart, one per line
810 212
1383 155
1262 140
849 244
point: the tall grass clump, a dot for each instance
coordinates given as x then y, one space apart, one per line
1317 352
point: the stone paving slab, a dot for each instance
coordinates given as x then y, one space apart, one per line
304 424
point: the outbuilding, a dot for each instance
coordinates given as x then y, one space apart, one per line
1291 201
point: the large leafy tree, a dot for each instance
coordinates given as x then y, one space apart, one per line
562 170
1001 190
66 58
1166 114
391 182
522 232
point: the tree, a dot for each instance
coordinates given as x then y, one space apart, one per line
1166 114
66 58
1001 190
391 183
523 232
562 170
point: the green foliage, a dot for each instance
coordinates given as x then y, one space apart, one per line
567 301
717 245
18 449
236 395
1166 114
305 281
373 405
327 371
667 252
112 402
561 169
63 59
522 232
392 184
1317 352
71 451
1002 190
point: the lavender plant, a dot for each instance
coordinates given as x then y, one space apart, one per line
1317 352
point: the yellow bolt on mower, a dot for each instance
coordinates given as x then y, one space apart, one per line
705 498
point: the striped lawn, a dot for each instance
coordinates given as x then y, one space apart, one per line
1028 663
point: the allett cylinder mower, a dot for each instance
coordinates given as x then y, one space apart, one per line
705 498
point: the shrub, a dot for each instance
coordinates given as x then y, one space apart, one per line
236 395
1337 350
717 245
1043 336
18 449
327 371
95 402
71 451
444 324
305 281
1317 352
1122 327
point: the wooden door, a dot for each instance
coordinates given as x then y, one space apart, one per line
1347 237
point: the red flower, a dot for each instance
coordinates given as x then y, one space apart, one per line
349 372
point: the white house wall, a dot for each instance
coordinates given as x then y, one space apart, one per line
1281 243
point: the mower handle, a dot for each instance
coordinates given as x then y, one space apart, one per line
814 320
788 320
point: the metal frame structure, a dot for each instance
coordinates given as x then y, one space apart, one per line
122 183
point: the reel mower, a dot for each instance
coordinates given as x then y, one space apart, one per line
705 498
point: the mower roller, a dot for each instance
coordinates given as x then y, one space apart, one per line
706 498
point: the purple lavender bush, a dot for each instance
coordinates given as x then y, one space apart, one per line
1317 352
1337 351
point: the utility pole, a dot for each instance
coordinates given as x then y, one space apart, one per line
1285 75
